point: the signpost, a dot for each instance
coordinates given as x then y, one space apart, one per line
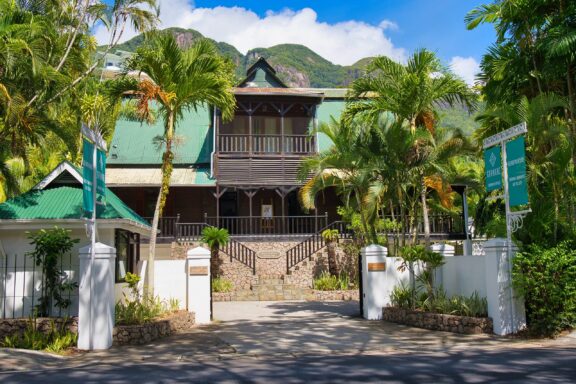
93 174
504 155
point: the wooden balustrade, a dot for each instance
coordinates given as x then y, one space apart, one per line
275 226
266 144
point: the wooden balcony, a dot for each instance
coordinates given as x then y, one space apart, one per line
266 144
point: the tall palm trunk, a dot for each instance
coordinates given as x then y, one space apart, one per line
167 159
425 218
332 264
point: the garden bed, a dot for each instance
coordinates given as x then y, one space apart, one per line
45 325
438 321
175 322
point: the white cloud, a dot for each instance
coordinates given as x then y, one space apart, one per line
342 43
465 67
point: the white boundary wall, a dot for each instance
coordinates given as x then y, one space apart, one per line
463 275
170 280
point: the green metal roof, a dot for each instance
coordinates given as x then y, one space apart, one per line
135 143
203 177
326 110
62 203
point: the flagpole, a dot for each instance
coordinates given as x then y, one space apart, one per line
93 240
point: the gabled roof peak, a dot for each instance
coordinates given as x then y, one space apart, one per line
261 75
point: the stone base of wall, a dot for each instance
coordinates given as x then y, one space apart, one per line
175 322
314 296
9 327
438 322
337 295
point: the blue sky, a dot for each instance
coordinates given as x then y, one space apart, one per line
434 24
340 31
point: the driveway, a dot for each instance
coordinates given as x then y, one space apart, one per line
299 327
302 342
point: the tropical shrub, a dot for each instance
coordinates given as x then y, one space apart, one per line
215 238
139 309
56 340
546 277
49 248
327 282
472 306
221 285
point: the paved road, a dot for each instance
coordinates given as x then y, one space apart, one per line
304 342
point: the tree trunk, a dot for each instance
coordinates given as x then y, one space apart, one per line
332 264
571 107
150 267
215 262
167 158
425 218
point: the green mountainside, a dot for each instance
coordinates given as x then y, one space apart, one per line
296 64
299 66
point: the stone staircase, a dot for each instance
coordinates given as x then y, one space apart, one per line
268 288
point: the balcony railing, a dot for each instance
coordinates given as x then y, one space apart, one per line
269 226
266 144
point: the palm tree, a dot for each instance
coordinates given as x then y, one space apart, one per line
178 81
330 237
412 93
341 167
215 238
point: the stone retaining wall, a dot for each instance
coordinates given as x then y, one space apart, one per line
438 322
337 295
45 325
140 334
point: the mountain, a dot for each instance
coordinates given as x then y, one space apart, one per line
299 66
295 64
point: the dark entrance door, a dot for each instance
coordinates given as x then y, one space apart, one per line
228 211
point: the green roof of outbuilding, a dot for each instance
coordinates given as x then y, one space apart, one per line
62 203
327 110
135 143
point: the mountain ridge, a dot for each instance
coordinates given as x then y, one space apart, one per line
296 64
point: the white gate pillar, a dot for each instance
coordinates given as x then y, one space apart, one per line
374 281
504 307
198 284
96 297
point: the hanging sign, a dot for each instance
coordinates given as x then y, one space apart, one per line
91 151
87 177
516 166
493 166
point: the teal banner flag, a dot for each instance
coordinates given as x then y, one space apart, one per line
493 167
516 165
100 179
87 176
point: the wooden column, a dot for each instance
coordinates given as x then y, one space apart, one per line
218 195
250 193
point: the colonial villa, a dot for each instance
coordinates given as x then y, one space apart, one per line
241 175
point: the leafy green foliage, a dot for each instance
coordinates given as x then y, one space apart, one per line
472 306
327 282
49 248
141 308
220 284
56 340
215 237
546 277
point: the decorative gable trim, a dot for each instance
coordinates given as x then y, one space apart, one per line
64 166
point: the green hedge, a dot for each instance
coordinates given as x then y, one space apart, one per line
547 279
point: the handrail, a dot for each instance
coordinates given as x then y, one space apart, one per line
188 232
313 244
